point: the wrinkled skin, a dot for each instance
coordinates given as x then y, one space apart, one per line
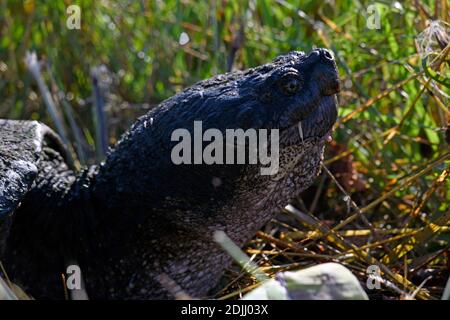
138 215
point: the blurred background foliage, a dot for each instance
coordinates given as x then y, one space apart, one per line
394 118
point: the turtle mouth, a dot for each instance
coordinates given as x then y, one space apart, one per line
316 125
319 123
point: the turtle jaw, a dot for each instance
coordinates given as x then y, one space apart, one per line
317 125
320 123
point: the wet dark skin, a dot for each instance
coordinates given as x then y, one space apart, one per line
138 215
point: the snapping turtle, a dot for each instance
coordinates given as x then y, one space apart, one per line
138 215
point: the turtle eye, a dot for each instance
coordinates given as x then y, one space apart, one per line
291 83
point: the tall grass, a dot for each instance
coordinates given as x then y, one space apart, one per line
387 200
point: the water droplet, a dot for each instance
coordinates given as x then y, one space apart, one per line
184 38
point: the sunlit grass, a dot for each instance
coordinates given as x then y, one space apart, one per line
391 153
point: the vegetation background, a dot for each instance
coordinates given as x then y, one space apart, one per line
385 199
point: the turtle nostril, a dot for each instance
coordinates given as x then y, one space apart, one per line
327 54
320 55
